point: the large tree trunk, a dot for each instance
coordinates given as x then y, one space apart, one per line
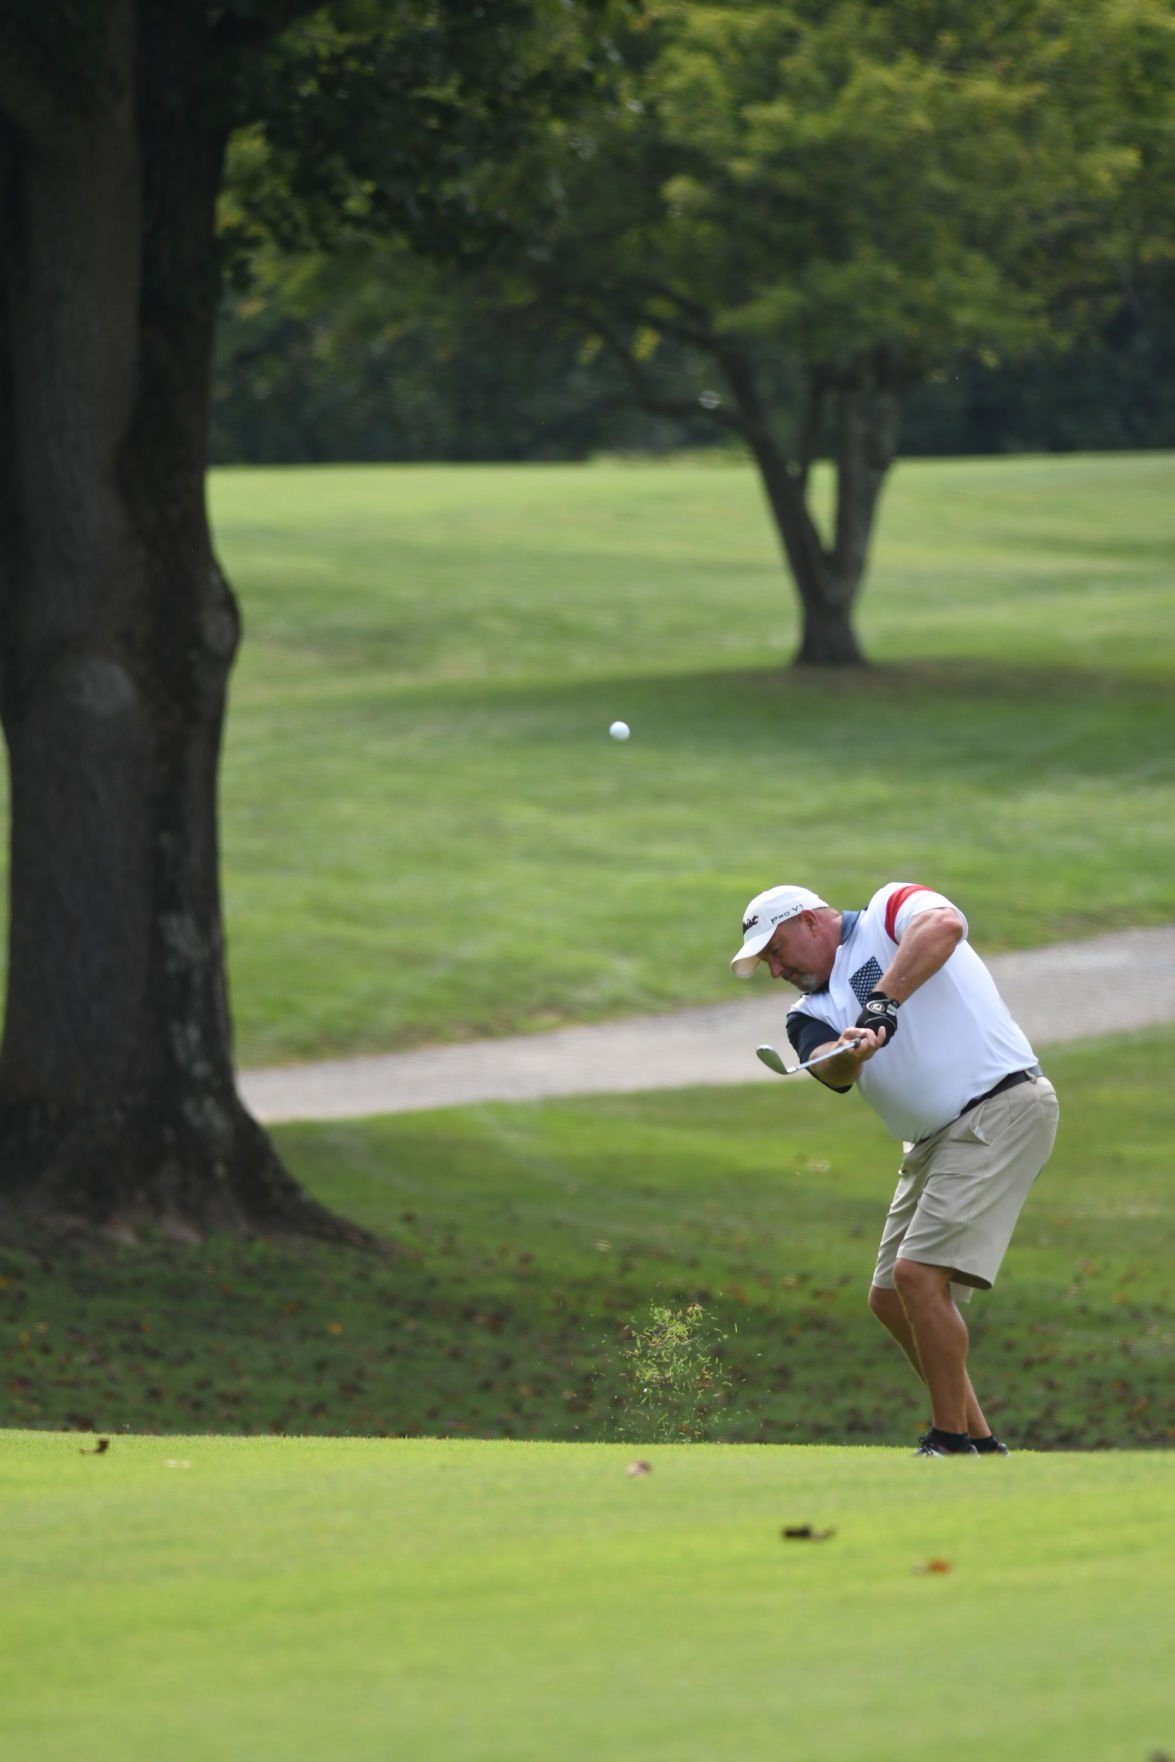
828 578
117 1095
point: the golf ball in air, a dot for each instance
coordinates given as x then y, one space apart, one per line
620 731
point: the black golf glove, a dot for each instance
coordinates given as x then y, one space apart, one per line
880 1011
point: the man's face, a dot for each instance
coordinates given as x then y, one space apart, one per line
801 952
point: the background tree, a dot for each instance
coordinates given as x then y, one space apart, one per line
118 628
829 203
368 351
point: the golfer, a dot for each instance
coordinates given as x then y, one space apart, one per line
929 1041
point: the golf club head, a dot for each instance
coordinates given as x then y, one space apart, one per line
768 1056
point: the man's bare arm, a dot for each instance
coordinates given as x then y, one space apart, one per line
927 945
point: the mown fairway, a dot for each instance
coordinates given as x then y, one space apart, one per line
428 835
529 1240
207 1600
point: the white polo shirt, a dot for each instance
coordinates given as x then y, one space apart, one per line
956 1038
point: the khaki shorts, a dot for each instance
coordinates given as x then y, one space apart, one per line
961 1190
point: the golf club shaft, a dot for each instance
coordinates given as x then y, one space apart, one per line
822 1058
774 1062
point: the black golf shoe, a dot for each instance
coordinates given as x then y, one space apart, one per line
990 1446
933 1444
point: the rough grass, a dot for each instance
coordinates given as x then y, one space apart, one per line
289 1600
532 1240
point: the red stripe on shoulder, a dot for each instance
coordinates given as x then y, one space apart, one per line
894 904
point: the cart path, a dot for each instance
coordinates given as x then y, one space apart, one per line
1071 991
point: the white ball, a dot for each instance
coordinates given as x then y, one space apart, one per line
620 731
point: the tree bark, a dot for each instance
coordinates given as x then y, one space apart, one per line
866 440
828 578
118 1101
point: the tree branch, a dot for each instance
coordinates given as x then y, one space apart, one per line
624 300
867 434
629 295
673 327
659 291
810 433
646 393
787 495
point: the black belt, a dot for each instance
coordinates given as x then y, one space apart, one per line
1008 1082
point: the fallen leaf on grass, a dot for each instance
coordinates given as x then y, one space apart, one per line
803 1532
933 1566
100 1448
635 1468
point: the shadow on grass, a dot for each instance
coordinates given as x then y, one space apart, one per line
685 698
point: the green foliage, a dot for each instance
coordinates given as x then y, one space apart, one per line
1106 393
371 352
831 202
842 180
844 145
933 192
854 178
377 116
673 1372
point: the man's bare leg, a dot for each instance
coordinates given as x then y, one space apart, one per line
940 1335
889 1309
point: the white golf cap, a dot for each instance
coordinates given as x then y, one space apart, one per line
763 913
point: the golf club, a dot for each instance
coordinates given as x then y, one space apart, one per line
771 1058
